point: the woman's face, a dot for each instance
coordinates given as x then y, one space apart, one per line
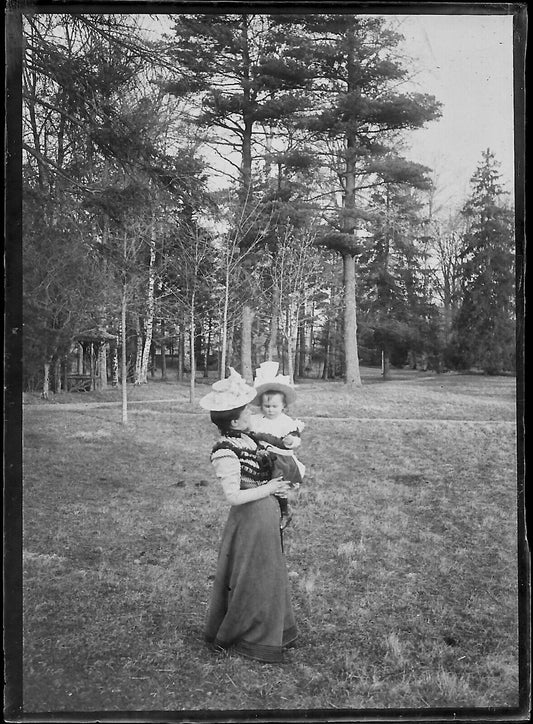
243 421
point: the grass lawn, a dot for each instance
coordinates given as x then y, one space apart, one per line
401 555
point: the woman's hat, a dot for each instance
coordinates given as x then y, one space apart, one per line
267 379
228 394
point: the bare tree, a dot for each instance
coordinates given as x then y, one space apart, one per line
295 274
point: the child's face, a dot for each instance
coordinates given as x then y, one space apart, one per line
272 405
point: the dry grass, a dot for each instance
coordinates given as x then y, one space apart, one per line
402 554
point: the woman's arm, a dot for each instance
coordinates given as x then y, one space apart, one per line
228 471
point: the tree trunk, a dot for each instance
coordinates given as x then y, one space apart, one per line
92 368
207 351
192 351
231 335
352 374
385 364
46 381
326 352
102 366
181 353
163 352
292 329
114 356
311 345
198 345
65 374
332 350
124 375
138 351
246 343
57 376
290 358
246 193
149 316
301 347
274 322
351 358
224 352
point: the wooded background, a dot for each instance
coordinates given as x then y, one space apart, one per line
323 249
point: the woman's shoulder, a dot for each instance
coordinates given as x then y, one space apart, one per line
231 445
222 454
223 443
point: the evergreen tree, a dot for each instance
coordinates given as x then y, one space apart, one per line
485 325
242 69
396 305
359 114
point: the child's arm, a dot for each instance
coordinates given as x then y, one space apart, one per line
266 438
292 439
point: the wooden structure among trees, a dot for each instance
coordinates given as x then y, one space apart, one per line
89 361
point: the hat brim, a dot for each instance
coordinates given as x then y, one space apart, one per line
221 401
290 394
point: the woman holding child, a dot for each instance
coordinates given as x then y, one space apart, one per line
250 609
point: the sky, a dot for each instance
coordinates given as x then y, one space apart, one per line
466 62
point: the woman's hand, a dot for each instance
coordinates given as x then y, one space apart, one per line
278 485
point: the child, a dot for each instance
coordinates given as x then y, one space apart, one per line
278 432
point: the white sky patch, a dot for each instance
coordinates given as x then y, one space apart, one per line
466 61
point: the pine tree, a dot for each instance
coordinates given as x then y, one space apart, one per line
396 304
485 325
241 69
359 116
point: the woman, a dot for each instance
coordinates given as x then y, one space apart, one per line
250 609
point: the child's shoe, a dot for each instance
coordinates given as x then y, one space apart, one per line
285 520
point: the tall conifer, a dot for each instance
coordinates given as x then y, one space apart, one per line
485 325
241 68
359 112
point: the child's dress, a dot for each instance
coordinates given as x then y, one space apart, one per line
280 427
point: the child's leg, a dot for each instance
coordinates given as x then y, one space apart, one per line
286 515
283 504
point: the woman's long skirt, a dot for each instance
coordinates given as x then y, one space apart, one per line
250 607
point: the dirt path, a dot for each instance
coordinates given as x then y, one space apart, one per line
81 406
89 405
